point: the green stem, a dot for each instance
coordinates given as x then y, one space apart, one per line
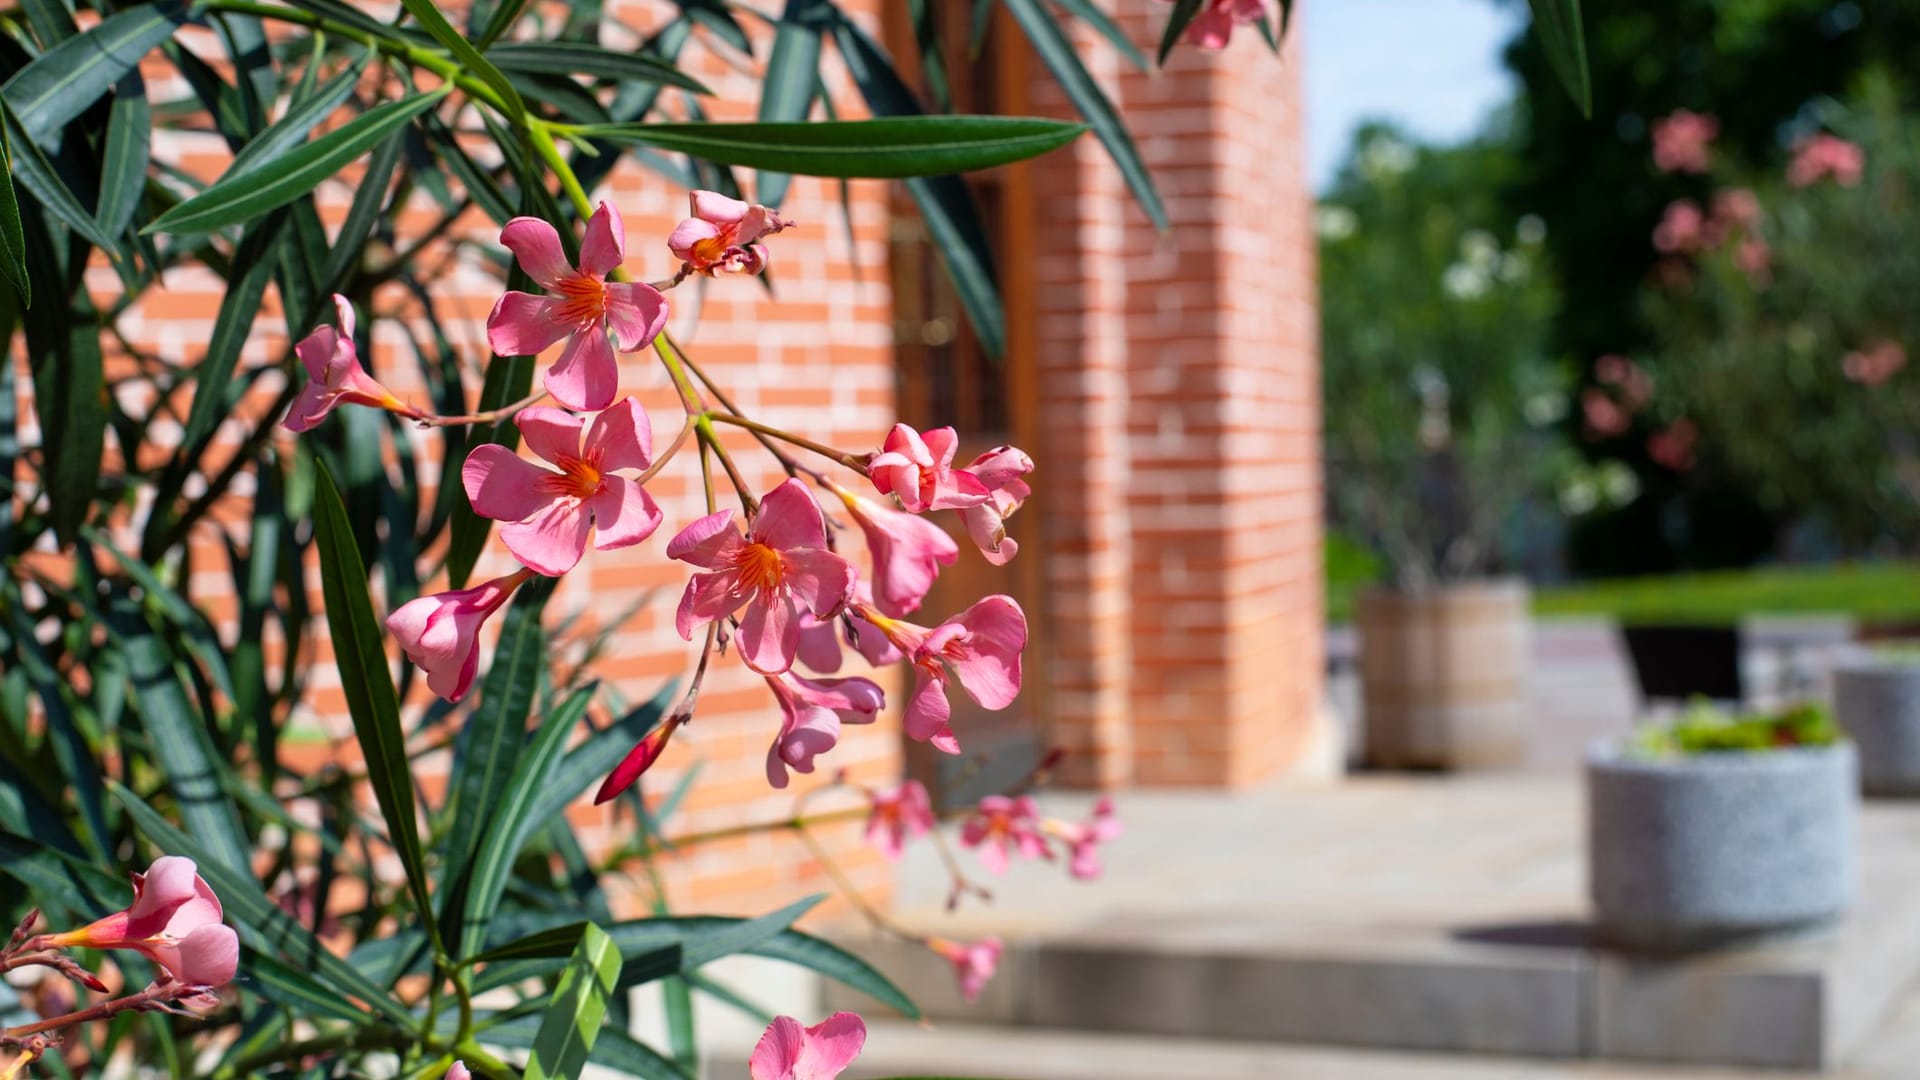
838 457
372 1037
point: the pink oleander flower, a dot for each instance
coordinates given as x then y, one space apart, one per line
980 647
1820 156
458 1071
1604 417
918 470
720 236
1000 471
1632 380
592 314
1000 826
973 962
1213 26
1672 446
781 565
813 710
897 816
907 551
1682 229
787 1051
1683 141
1084 839
1754 258
174 921
1736 208
550 511
1874 364
335 377
440 633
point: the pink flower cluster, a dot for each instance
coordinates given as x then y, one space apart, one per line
767 581
1683 141
1821 156
1623 389
1874 364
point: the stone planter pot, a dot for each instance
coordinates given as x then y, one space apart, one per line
1877 702
1704 849
1443 675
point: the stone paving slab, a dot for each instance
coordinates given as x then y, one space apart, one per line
1416 913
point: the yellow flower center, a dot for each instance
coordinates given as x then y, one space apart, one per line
582 299
760 566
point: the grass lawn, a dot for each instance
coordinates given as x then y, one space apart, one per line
1870 592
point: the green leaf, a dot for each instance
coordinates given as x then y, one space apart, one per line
468 57
514 821
369 198
259 919
35 173
66 80
1043 30
123 172
254 261
786 89
292 129
495 737
679 1008
1089 12
594 758
1177 20
294 990
13 237
579 58
359 650
555 942
836 963
615 1049
72 386
233 199
571 1024
946 203
1557 22
889 148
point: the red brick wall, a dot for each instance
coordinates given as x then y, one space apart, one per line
1180 437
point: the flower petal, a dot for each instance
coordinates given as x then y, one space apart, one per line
778 1050
789 518
605 243
687 237
310 406
208 956
523 324
707 542
988 666
586 377
553 434
819 579
623 514
707 597
502 485
553 539
769 634
833 1043
537 245
316 352
927 709
717 208
621 437
637 312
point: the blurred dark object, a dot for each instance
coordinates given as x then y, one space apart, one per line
1678 663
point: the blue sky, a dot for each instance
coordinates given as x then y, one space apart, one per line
1431 65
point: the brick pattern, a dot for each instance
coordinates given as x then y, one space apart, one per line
1181 445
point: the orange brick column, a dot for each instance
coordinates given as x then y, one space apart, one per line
1198 459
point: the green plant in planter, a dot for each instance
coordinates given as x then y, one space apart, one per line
1708 729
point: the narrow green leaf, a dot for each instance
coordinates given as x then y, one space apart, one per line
123 171
13 237
1177 20
679 1008
513 821
615 1049
66 80
977 31
500 21
52 20
1089 12
254 262
786 89
369 199
494 739
925 17
1058 53
293 990
300 120
579 58
556 942
70 749
946 203
468 57
826 958
259 920
889 148
72 403
233 199
360 653
572 1023
35 173
1557 22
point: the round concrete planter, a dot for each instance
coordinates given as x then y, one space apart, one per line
1443 675
1877 702
1700 850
